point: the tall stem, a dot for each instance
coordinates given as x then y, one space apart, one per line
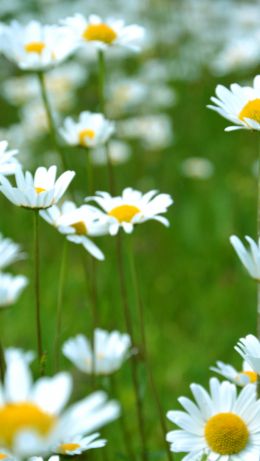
134 364
59 305
2 354
141 315
41 356
94 303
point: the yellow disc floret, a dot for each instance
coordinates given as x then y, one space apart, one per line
226 433
252 375
80 228
3 456
16 417
34 47
251 110
84 135
39 190
124 213
68 447
99 33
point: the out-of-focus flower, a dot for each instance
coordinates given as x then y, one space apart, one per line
249 258
197 168
220 425
10 289
104 33
8 164
109 352
241 378
240 105
90 130
249 349
154 131
117 151
33 415
78 224
36 46
10 252
39 191
77 445
132 207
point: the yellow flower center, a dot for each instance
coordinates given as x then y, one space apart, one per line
34 47
124 213
3 456
100 33
252 375
251 110
39 190
15 417
226 433
80 227
66 447
84 134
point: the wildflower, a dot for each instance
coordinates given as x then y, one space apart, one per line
220 425
33 418
132 207
241 378
240 105
10 252
249 349
104 33
38 192
91 130
10 288
8 164
109 352
77 445
249 258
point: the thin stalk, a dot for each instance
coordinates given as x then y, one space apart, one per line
41 356
51 122
133 361
2 354
89 173
94 304
141 315
59 305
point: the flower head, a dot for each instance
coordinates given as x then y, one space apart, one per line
220 425
8 164
10 252
11 286
249 258
239 377
240 105
104 33
108 354
249 349
39 191
91 130
132 207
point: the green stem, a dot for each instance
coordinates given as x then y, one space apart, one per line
141 315
2 356
134 363
94 304
89 172
59 305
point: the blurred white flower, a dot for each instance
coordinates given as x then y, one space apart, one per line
77 445
8 164
10 252
107 355
249 349
11 286
39 191
250 258
155 131
241 378
132 207
240 105
118 152
90 130
197 168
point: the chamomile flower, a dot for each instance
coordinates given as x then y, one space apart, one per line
249 258
110 350
240 105
249 349
78 224
39 191
33 417
36 46
89 131
10 288
132 207
221 425
10 252
104 33
241 378
77 445
8 162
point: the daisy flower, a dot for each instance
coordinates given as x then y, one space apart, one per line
36 46
8 164
249 349
78 224
10 288
39 191
132 207
241 378
240 105
77 445
33 417
89 131
220 425
104 33
111 349
10 252
249 258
